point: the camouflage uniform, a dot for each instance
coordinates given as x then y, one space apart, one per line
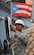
19 42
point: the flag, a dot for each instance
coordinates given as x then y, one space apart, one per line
21 9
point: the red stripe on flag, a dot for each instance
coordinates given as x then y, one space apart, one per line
21 14
17 3
25 9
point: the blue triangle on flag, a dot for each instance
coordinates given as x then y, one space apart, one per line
14 8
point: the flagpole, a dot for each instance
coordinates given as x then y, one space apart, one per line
13 53
11 13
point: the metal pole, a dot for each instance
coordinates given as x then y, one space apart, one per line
13 53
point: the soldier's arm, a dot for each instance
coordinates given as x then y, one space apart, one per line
22 36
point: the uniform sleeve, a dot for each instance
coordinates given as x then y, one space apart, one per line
23 37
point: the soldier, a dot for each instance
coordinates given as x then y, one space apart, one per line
19 38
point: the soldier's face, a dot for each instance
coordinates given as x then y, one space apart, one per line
19 27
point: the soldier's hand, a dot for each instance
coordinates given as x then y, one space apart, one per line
12 28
